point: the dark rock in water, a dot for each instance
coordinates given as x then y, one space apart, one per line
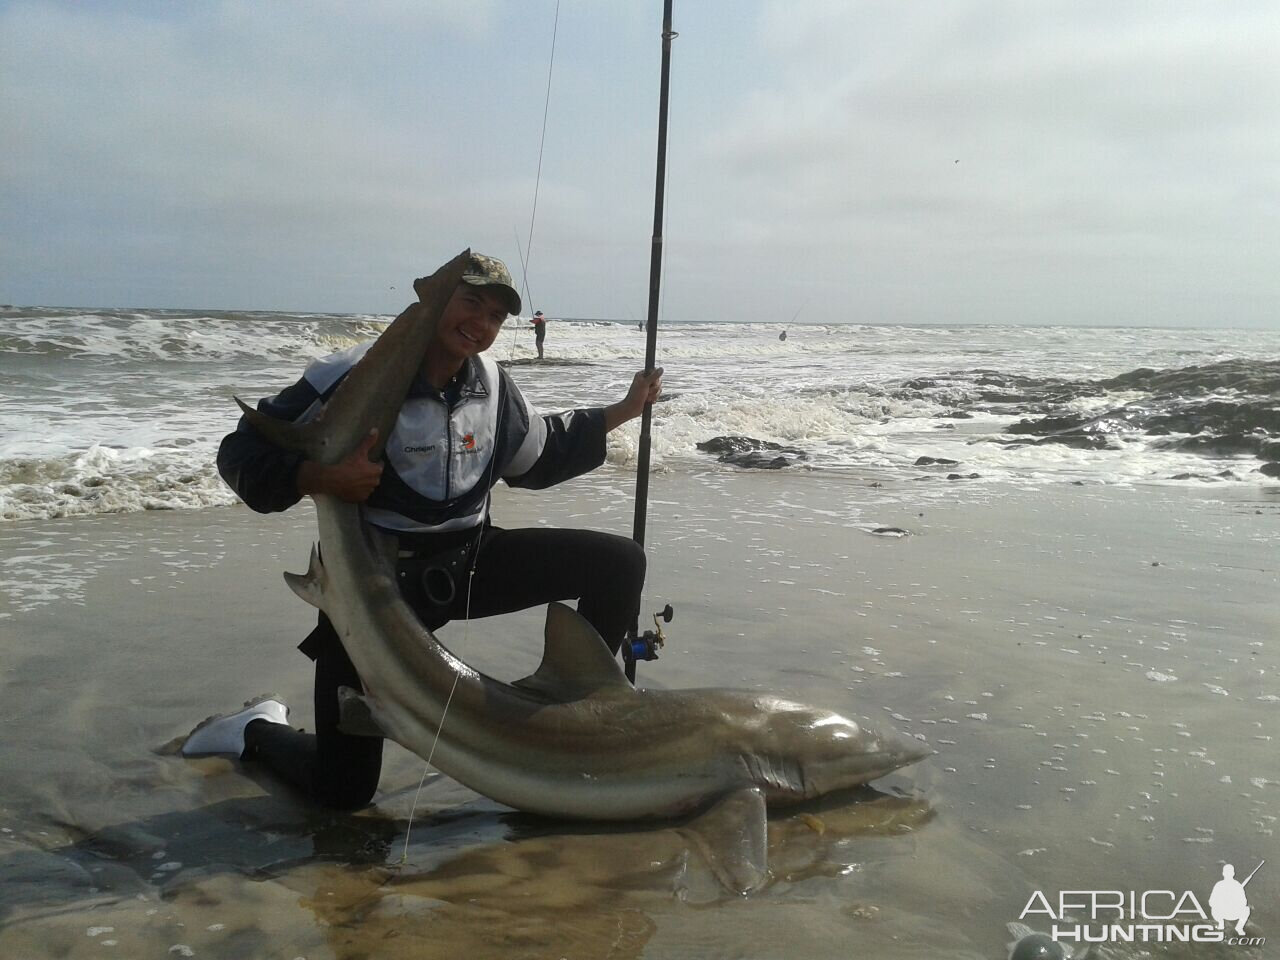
1001 441
757 461
1225 445
1007 388
753 453
733 444
1183 476
1270 469
920 383
1047 425
544 362
961 476
944 426
1215 410
940 461
1217 416
890 532
1253 376
1081 440
992 391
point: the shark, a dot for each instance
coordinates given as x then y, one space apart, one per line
575 740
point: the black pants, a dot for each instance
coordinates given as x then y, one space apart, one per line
514 570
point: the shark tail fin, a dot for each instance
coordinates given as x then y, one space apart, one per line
310 585
307 438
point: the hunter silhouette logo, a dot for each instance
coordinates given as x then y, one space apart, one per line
1228 900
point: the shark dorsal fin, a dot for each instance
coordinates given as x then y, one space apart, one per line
575 661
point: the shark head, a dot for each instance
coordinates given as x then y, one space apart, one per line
806 752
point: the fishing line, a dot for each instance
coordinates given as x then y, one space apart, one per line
525 293
466 628
466 632
474 550
546 108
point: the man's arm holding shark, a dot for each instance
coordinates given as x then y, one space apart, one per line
263 475
270 479
554 448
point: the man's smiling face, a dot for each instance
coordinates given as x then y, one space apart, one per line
471 321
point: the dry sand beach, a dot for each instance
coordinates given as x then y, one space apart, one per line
1096 667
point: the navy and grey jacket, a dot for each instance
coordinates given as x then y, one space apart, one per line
446 452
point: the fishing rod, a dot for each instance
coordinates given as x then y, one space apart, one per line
637 647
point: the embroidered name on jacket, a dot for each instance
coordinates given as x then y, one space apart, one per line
463 440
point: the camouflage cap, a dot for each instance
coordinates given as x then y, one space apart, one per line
482 271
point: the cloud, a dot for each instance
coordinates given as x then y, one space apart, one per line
970 161
1049 138
217 137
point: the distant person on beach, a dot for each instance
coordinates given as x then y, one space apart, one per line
463 427
539 331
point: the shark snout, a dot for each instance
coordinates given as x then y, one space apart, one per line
833 752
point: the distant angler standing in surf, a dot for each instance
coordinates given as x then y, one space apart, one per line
539 331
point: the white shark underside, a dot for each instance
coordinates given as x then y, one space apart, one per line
575 739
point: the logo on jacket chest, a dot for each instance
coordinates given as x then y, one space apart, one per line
466 445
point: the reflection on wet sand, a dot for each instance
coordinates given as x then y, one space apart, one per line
568 890
504 884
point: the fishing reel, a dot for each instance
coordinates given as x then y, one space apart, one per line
645 646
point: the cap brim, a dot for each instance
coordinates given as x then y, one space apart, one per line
513 298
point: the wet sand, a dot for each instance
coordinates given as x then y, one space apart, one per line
1096 667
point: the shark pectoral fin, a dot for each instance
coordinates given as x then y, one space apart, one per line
734 837
355 717
575 661
310 585
286 434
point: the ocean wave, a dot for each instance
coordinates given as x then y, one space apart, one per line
178 337
116 410
103 480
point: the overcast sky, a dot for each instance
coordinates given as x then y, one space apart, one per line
1073 162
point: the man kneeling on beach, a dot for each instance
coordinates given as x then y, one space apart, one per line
463 426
